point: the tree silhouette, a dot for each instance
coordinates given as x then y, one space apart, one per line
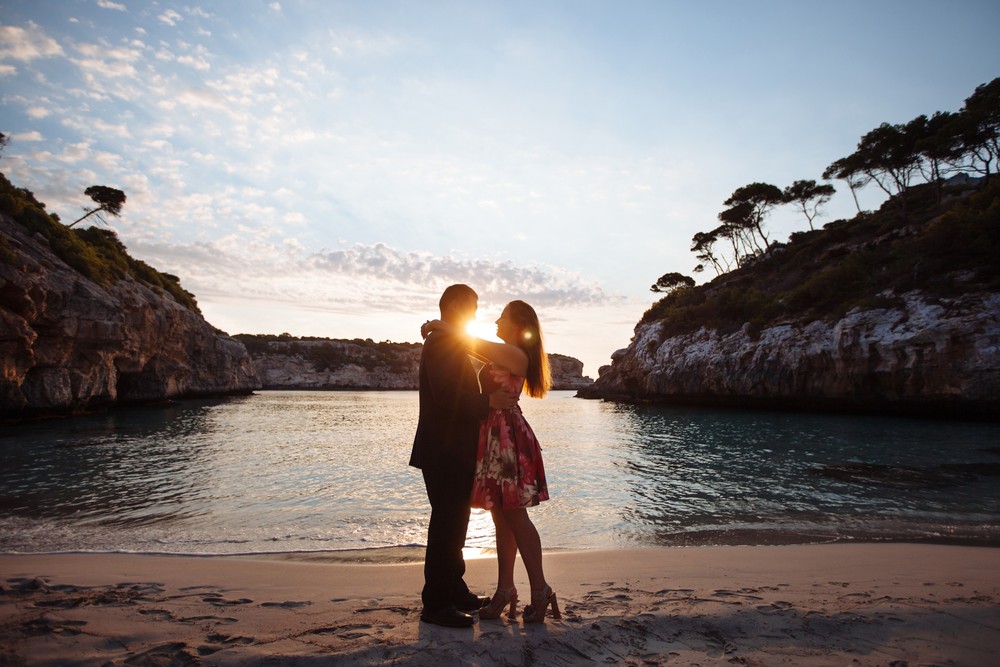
980 127
738 226
701 243
669 282
848 169
893 156
749 206
805 192
110 201
889 155
939 145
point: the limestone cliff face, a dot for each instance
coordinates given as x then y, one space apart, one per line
336 364
938 356
69 345
343 364
567 373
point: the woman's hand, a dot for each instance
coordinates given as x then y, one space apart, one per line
436 325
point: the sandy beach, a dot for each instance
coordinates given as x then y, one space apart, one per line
835 604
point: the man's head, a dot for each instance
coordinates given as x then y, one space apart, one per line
458 305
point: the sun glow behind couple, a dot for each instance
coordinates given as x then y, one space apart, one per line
482 328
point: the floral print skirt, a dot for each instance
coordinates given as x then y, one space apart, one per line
509 470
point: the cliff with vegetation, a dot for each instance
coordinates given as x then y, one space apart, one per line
894 311
83 325
287 362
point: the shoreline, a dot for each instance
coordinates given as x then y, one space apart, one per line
804 604
414 553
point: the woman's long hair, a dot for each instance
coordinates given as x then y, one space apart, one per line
538 379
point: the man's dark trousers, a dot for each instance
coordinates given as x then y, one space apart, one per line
448 489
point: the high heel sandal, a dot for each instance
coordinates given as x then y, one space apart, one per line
540 602
494 608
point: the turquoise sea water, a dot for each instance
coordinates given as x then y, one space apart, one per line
326 471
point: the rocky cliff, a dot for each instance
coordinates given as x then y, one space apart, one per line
887 313
940 356
567 373
286 362
70 343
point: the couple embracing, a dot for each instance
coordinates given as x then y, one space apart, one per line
475 449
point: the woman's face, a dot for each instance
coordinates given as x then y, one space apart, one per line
507 329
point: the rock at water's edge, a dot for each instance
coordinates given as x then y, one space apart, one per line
930 357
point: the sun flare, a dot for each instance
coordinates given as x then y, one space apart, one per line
482 329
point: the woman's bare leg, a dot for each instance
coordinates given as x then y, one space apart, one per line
528 543
506 551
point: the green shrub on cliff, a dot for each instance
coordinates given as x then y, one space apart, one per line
944 250
95 253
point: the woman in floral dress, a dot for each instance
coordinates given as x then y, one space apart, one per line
510 476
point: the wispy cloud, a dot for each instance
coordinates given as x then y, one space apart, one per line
33 135
107 4
26 44
360 277
363 43
170 18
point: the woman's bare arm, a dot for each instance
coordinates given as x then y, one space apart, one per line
507 356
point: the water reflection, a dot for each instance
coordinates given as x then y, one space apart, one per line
131 467
281 471
734 477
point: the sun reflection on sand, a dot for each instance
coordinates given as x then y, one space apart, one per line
480 541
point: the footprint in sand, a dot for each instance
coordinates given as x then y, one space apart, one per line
230 640
22 585
174 653
214 619
399 610
775 607
744 593
290 604
349 631
44 626
222 602
160 614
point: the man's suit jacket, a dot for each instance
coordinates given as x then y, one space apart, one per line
451 406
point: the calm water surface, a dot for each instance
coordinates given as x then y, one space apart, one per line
326 471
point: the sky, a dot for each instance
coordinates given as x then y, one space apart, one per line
326 168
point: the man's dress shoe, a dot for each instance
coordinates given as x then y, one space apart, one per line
448 617
471 602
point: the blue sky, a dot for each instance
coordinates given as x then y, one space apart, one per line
327 168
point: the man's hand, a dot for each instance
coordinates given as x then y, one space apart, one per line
502 399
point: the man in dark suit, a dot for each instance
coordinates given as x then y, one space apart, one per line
444 448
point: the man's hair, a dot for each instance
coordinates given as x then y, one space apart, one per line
457 294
